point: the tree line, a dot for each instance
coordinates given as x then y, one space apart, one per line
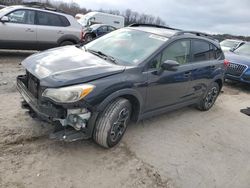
222 37
74 8
129 15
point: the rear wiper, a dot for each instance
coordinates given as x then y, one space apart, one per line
103 55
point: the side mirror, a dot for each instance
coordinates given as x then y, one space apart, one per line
5 19
170 65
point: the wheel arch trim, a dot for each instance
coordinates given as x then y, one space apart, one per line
125 93
68 38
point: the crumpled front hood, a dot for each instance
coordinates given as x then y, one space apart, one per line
68 65
235 58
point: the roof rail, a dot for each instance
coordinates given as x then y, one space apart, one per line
151 25
42 6
197 34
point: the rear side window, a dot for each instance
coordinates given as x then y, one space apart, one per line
48 19
103 29
202 51
111 28
218 52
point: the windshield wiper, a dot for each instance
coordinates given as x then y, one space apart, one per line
103 55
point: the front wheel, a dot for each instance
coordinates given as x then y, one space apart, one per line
112 123
210 97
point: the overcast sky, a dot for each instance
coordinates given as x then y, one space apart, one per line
214 16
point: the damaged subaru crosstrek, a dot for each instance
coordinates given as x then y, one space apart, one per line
95 90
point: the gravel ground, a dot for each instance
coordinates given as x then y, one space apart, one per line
185 148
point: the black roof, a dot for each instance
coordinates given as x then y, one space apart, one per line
169 31
156 29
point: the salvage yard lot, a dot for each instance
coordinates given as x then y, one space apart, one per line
185 148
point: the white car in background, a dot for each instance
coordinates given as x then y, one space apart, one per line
231 44
28 28
2 6
101 18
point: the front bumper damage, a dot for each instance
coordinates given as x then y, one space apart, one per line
75 122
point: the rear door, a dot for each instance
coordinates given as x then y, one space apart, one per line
167 88
50 28
206 65
20 32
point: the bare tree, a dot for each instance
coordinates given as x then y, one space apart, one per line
74 8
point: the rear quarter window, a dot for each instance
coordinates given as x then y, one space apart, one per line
65 21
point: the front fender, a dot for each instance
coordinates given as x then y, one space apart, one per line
120 93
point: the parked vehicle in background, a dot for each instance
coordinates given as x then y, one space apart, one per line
102 18
79 16
129 74
230 44
2 6
96 30
239 64
27 28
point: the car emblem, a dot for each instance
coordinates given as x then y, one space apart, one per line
234 66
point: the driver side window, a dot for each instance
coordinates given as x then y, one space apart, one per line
22 17
178 51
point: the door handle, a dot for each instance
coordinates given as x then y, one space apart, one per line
212 67
187 74
29 30
60 32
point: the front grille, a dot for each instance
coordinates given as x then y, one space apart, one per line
32 84
235 69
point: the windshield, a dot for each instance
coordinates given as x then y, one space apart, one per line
95 26
6 9
83 21
243 50
229 43
127 45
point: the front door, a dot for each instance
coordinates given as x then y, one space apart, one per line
20 32
167 88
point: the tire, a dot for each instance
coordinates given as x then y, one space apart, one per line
209 98
112 123
88 38
66 43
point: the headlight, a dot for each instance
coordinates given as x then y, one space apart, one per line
68 94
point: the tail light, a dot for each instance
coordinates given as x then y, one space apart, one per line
226 63
81 36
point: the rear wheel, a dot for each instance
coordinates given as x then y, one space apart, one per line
210 97
112 123
66 43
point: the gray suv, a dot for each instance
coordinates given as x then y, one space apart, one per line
28 28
